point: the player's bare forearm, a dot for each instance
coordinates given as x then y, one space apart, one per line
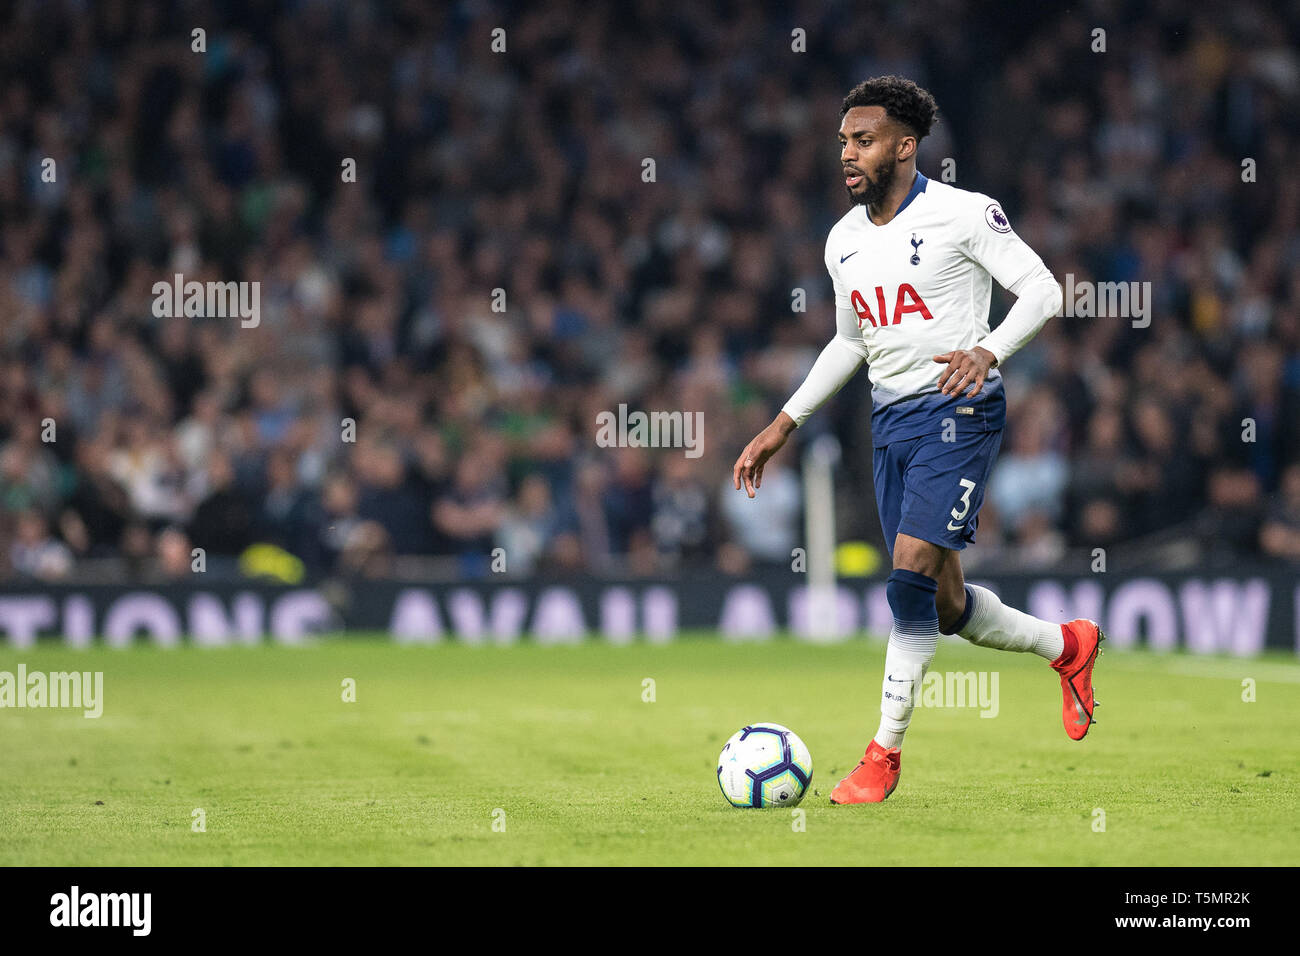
749 466
966 369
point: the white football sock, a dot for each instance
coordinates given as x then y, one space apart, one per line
906 662
993 624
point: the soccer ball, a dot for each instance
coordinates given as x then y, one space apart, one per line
764 765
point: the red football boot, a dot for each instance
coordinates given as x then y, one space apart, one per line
874 778
1077 703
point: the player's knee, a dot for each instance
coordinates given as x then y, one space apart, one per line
914 554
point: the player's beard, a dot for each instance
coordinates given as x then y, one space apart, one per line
875 189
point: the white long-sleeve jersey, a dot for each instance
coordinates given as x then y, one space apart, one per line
917 287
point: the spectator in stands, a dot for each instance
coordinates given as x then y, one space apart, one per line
1280 534
224 523
529 526
766 528
472 508
35 553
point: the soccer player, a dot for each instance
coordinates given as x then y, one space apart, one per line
911 264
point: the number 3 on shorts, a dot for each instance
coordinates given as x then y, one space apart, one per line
965 502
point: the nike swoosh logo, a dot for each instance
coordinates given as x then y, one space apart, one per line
951 527
849 256
891 677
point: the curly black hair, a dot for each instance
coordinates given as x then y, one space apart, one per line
903 100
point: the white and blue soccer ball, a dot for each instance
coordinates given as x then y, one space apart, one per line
764 765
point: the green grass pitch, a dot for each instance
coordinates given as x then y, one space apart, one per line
586 772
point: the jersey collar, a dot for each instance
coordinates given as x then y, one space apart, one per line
918 187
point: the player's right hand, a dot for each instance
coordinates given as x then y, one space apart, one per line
749 466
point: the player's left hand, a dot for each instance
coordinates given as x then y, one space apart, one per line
967 369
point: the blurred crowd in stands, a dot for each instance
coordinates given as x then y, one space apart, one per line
437 338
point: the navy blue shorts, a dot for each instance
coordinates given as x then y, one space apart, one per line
932 489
